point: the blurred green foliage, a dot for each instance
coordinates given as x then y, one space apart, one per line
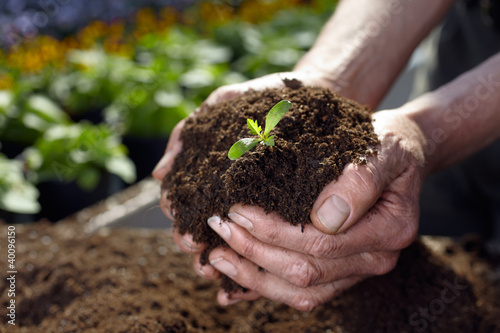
162 78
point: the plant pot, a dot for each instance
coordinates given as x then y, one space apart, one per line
145 153
60 199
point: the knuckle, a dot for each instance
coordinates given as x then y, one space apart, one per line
302 274
385 264
323 246
367 180
245 248
333 247
407 234
304 302
271 234
222 93
251 283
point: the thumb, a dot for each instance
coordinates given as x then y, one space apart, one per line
174 146
343 202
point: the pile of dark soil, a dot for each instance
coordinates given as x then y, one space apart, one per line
320 134
129 280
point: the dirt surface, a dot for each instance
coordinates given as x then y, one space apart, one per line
320 134
130 280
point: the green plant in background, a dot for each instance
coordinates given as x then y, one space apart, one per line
93 80
78 152
273 117
16 193
25 118
273 46
136 85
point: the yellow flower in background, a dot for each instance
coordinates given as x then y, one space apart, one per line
116 29
255 11
70 43
88 36
119 37
168 17
35 55
146 22
6 81
216 12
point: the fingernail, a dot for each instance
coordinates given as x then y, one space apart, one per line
228 300
186 241
241 221
202 273
232 301
224 267
334 212
219 227
163 161
167 213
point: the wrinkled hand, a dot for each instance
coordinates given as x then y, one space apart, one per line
360 223
174 145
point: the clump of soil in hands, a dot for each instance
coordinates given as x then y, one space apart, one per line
320 134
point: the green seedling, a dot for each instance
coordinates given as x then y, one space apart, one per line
273 117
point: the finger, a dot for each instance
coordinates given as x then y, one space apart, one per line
205 271
341 204
272 229
186 243
225 93
165 205
265 82
299 269
345 201
248 275
391 225
226 299
174 146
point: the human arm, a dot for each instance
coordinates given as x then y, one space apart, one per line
398 168
423 136
364 46
460 118
358 54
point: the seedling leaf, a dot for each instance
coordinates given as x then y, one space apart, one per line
254 127
269 141
275 115
272 119
241 147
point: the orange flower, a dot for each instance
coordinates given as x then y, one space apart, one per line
168 17
6 81
146 22
88 36
43 51
216 13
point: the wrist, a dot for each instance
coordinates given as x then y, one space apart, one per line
424 113
399 133
349 72
334 72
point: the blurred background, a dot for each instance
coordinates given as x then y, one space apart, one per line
90 89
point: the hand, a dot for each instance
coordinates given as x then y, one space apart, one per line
360 223
185 242
174 145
